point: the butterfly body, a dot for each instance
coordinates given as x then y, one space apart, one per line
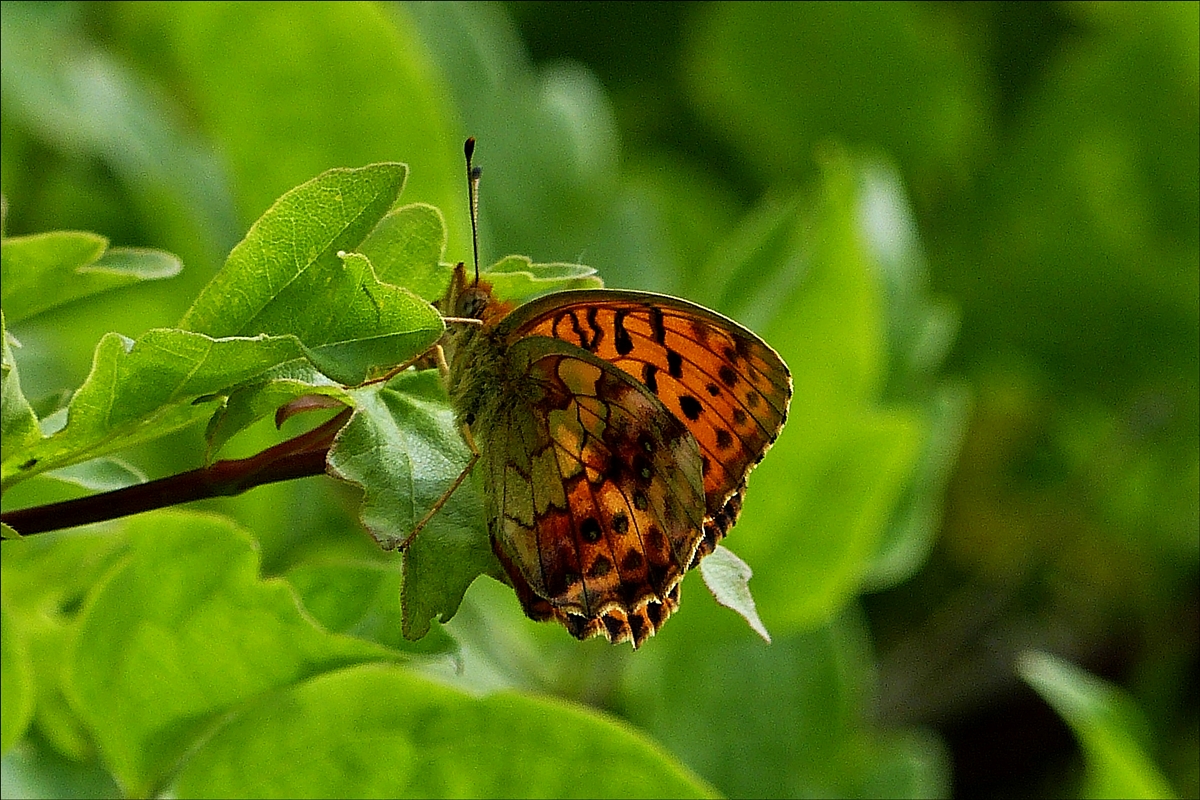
614 431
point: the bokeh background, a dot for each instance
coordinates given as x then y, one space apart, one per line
1038 165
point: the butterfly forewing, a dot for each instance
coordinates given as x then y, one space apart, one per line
727 386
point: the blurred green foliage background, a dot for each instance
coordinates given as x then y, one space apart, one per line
1050 154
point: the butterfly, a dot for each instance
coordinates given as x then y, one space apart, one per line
613 431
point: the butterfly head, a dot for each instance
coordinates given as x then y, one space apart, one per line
468 298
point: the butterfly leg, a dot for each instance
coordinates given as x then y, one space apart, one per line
396 370
443 366
435 351
462 476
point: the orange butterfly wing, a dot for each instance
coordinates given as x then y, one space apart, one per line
724 383
616 430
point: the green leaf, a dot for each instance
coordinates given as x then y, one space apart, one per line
812 737
180 633
907 763
406 249
288 260
361 599
248 403
404 450
380 731
835 314
44 579
17 687
1109 727
920 328
136 263
36 770
100 474
920 331
842 462
728 578
18 424
291 275
36 272
517 278
394 326
46 270
289 278
832 485
145 389
910 536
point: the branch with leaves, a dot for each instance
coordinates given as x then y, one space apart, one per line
330 287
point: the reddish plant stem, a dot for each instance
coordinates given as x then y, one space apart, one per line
300 457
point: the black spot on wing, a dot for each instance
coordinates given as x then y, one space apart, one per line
650 377
621 339
657 329
690 407
597 331
590 528
674 364
588 338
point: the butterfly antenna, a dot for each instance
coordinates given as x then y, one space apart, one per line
473 175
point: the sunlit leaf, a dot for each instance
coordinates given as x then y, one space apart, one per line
17 689
380 731
143 670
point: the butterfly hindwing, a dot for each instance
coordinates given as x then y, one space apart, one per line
598 493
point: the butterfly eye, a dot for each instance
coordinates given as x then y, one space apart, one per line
472 303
